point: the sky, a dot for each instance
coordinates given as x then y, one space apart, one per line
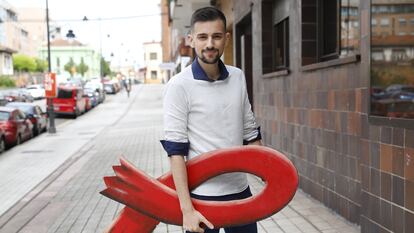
123 27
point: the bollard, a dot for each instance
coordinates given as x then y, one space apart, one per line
149 201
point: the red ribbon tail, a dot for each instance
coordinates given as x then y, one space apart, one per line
131 221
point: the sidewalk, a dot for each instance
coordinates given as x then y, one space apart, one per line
67 199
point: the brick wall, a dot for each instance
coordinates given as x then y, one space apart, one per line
320 119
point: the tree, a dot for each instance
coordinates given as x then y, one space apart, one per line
82 68
24 63
41 65
106 70
70 67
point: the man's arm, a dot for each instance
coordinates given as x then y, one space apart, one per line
191 217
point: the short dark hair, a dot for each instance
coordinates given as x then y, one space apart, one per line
207 14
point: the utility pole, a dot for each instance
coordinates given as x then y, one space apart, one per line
52 128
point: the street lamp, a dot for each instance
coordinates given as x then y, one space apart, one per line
70 35
52 128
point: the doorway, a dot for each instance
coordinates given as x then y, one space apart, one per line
244 59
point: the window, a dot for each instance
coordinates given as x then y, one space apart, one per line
275 54
64 94
153 56
385 22
281 45
403 22
153 74
329 42
330 29
392 70
7 61
4 116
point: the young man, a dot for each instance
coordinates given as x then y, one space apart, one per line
206 107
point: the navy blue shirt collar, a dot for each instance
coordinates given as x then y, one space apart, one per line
200 74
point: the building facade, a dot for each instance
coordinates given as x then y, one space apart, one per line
331 83
10 37
32 20
62 51
153 59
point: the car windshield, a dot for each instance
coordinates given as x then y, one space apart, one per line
24 108
4 116
64 94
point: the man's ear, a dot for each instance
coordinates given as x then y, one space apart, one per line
190 40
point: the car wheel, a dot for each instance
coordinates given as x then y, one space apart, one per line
76 113
2 145
35 130
19 140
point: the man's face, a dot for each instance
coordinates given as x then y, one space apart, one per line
208 39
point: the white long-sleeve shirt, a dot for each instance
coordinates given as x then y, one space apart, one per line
208 115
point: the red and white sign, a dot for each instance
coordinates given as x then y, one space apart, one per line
50 85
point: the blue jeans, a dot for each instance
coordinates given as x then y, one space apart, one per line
249 228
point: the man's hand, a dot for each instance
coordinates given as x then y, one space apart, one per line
256 143
193 220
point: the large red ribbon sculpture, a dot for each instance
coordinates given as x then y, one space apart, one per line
149 201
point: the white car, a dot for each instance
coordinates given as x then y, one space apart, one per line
36 90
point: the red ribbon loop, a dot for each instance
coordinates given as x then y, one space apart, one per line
150 200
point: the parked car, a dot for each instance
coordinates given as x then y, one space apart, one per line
14 95
2 140
34 113
92 97
110 88
98 86
400 92
69 101
36 90
26 95
3 100
16 124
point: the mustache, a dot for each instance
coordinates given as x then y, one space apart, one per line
209 49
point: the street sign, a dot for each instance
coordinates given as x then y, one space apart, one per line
50 85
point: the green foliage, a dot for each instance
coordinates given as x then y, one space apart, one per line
70 67
41 65
7 81
82 68
106 70
24 63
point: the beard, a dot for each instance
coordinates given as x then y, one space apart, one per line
207 60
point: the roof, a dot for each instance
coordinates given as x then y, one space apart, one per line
62 42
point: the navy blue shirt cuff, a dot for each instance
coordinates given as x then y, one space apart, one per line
258 137
175 148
